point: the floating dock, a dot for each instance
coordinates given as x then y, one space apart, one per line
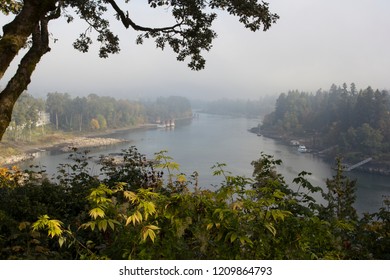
351 167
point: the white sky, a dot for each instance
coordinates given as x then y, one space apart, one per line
315 43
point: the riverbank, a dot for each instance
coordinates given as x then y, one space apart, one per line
379 165
66 145
16 152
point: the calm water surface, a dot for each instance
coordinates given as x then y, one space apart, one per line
200 143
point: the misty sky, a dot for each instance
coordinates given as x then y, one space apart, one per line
315 43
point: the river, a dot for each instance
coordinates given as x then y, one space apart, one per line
200 143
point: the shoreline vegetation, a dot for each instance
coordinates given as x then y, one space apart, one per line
342 122
61 121
375 166
15 152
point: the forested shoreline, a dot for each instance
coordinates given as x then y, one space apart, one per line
354 124
62 120
92 113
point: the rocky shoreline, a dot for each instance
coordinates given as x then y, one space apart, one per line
63 145
4 161
85 143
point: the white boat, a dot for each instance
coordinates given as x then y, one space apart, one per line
294 143
166 124
302 149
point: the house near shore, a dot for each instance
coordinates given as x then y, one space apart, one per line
43 119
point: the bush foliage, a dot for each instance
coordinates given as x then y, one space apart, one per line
146 209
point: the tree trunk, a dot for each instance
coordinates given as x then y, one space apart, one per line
21 79
16 33
56 121
32 20
81 122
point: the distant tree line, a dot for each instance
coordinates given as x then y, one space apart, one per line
239 107
356 121
93 112
167 108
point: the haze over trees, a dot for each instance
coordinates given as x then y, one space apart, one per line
188 36
26 117
91 113
357 121
237 107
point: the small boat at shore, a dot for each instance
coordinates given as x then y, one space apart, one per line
302 149
166 124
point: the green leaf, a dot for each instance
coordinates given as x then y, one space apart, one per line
244 240
97 212
61 241
91 224
279 194
149 208
181 178
41 223
131 196
219 236
111 223
54 228
102 225
153 227
233 237
345 225
135 218
238 205
220 213
271 228
148 231
276 214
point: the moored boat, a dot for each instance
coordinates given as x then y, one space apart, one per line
302 149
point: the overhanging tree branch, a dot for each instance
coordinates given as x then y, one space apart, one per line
127 22
15 35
